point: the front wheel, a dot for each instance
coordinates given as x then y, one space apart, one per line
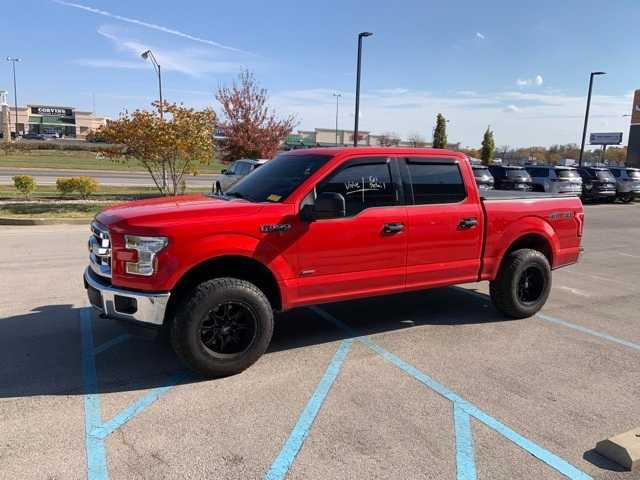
223 327
523 283
626 197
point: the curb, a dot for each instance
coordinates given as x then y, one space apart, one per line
44 221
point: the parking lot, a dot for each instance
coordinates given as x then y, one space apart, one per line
432 384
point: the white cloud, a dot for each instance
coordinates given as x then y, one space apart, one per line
480 36
518 118
193 61
527 82
151 26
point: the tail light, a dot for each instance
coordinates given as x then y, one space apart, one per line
580 220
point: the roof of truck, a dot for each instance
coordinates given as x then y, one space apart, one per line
378 151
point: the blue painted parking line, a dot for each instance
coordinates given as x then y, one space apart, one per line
588 331
97 431
298 435
465 464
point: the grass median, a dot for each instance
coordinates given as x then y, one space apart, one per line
51 210
78 160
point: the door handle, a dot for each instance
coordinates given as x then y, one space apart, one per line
395 227
467 223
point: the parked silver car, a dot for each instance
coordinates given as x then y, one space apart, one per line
627 183
483 177
555 179
237 170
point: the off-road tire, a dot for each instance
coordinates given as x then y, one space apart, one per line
505 288
195 309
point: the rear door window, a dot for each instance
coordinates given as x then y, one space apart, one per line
567 174
433 182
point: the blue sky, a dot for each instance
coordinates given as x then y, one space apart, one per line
521 67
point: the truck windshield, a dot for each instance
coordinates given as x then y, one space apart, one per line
276 179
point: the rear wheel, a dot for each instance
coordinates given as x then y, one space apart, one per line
523 283
223 327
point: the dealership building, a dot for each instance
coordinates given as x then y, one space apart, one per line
65 121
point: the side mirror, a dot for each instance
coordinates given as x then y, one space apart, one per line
327 205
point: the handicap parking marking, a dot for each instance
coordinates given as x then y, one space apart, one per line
463 410
97 431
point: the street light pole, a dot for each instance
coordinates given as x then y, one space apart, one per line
586 115
355 128
148 54
338 96
13 61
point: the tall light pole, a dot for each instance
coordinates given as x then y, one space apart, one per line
13 61
148 55
355 128
338 96
586 115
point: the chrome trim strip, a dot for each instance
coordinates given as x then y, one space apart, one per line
151 306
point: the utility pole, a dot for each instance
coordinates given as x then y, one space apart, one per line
586 115
13 61
338 96
361 35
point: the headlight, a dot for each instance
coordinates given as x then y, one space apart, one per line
588 186
147 247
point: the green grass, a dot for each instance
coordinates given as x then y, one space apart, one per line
51 210
105 192
77 160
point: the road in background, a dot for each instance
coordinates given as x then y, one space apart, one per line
45 176
561 386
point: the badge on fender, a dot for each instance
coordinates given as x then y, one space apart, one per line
278 227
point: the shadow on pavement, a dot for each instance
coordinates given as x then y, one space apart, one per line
40 351
599 461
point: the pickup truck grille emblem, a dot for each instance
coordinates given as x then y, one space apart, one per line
278 227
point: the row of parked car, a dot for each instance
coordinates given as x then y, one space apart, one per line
590 183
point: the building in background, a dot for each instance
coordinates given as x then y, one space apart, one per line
67 122
633 147
326 137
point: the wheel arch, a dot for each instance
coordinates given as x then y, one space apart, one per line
236 266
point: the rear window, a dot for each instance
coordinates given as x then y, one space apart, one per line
604 175
436 183
634 174
481 171
538 172
568 174
518 173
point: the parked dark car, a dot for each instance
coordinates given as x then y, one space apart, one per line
511 177
33 136
598 183
555 179
627 183
483 177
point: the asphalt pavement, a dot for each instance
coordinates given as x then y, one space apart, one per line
433 384
46 176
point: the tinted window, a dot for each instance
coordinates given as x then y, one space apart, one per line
604 175
276 179
538 172
436 183
362 185
497 172
519 173
616 173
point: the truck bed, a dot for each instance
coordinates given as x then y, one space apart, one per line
519 195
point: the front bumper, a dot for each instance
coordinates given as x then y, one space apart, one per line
147 308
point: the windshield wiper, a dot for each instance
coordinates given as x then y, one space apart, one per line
238 195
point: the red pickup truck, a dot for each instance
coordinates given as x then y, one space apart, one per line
321 225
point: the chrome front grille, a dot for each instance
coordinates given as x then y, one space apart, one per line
100 250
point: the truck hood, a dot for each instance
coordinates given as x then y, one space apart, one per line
163 211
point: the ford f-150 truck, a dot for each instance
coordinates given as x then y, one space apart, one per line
321 225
